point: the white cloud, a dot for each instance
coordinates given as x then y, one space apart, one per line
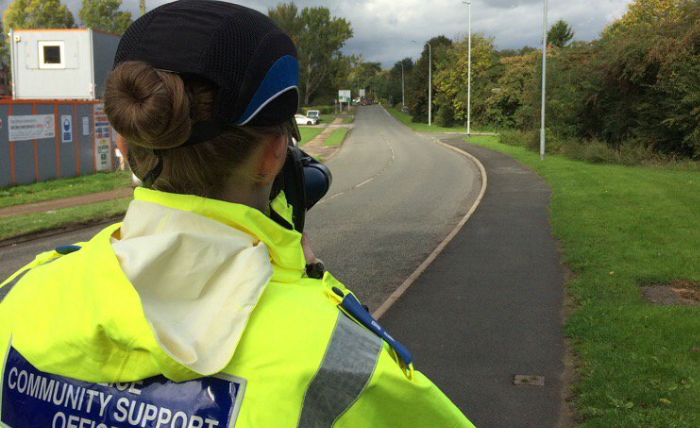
384 28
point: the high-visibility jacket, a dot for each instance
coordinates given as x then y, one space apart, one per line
84 347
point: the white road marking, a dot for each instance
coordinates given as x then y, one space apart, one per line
369 180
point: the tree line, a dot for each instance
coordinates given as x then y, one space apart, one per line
634 89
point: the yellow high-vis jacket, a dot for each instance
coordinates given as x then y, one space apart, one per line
197 313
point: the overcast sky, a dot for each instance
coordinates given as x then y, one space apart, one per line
384 29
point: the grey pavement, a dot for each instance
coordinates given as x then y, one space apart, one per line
490 306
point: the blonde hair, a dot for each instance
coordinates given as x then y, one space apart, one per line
155 110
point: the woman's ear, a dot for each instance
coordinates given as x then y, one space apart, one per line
274 155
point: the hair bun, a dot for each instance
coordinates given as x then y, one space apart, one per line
149 107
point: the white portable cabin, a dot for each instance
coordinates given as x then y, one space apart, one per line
61 64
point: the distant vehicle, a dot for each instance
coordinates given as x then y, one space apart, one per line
305 120
314 114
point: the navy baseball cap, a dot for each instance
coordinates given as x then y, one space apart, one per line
241 51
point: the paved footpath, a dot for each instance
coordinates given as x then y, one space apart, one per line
490 306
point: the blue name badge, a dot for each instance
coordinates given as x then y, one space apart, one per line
31 398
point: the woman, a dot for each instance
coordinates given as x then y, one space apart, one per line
197 311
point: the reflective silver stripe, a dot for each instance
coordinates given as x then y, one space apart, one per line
347 367
5 290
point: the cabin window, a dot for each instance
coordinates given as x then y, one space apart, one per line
51 55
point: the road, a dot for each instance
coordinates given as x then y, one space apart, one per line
395 196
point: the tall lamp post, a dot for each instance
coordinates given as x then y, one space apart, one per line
544 79
469 74
430 84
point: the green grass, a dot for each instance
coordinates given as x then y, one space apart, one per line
11 227
621 227
308 133
423 127
62 188
336 138
328 118
350 119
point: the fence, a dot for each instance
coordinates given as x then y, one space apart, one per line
47 139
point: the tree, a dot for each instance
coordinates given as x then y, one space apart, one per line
451 78
394 93
363 73
417 85
105 15
4 54
319 38
286 15
38 14
647 13
560 34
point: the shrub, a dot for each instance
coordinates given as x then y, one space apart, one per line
527 139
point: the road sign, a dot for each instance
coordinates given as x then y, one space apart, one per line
362 93
344 96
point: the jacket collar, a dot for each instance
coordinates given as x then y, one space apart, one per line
285 247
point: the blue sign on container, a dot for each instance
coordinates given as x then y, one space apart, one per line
67 128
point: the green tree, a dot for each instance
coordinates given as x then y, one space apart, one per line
105 15
286 15
417 85
4 54
363 73
38 14
647 13
560 34
319 38
405 67
451 78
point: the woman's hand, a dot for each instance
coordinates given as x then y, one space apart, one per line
314 265
308 252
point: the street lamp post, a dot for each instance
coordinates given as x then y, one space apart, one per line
544 79
469 74
430 84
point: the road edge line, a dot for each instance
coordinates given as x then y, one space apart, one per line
396 295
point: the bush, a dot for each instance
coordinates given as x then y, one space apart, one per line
527 139
446 116
323 109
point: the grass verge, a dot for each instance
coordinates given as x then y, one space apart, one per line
308 133
423 127
621 227
11 227
336 138
63 188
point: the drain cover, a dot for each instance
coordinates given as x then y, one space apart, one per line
528 380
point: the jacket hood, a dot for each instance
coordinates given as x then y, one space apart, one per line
169 291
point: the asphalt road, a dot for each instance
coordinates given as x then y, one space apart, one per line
395 196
